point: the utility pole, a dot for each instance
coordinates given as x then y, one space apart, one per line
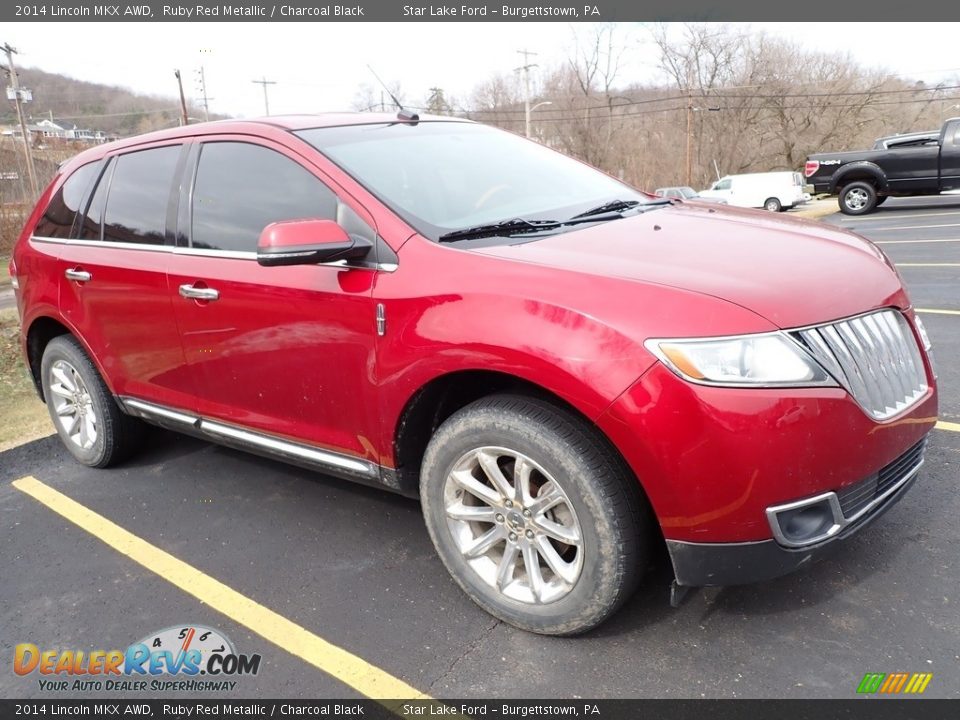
525 69
689 139
203 92
266 100
689 165
17 94
184 119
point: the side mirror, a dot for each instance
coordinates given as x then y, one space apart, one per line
308 242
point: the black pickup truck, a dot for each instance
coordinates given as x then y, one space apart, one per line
863 179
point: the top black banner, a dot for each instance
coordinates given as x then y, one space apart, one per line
474 11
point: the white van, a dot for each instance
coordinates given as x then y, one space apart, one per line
772 191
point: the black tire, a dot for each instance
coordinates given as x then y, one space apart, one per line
603 502
858 198
772 204
116 435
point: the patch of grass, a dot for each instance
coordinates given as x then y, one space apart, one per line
22 416
4 274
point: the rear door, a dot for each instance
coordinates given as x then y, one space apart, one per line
950 157
285 351
113 275
911 168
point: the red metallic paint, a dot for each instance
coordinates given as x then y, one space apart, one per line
712 460
301 233
294 351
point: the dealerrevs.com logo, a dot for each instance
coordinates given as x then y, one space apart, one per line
182 658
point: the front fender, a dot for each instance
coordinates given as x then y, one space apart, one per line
578 358
578 336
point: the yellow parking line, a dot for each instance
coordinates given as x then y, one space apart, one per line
894 228
887 217
934 311
952 427
351 670
911 242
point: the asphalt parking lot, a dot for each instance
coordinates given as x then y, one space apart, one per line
354 567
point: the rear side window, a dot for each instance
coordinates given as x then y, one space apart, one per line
90 225
139 196
241 188
57 220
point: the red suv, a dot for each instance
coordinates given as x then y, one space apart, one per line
563 369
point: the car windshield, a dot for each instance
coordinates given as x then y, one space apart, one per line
444 177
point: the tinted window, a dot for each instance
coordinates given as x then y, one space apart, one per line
90 225
57 221
242 188
139 196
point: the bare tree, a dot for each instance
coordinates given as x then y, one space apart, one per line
369 98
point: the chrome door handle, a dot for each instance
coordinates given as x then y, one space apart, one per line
195 293
78 275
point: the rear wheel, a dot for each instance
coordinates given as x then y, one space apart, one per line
532 514
772 204
858 198
87 418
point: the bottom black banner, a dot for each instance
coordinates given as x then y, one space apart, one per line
867 708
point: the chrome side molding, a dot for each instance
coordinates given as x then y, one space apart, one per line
285 448
242 438
149 411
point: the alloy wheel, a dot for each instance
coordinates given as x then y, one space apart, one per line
514 525
73 405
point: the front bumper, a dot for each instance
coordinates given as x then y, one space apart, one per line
713 460
708 564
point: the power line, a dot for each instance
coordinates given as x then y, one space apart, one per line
669 98
130 113
575 113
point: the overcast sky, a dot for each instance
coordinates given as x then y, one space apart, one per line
318 67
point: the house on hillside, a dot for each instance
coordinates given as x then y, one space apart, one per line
49 132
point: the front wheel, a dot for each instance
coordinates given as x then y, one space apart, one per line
858 198
533 515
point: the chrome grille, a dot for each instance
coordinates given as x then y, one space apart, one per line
853 498
874 357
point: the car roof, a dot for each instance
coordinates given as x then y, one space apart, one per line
254 126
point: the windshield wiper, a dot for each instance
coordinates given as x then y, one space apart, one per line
619 206
612 206
608 211
511 227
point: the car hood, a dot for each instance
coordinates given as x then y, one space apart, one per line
793 272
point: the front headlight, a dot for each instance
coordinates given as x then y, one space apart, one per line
749 360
